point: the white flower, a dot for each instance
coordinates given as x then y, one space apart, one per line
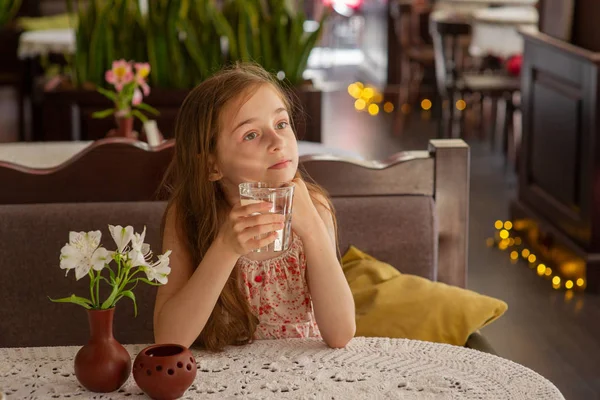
140 251
122 236
82 253
160 269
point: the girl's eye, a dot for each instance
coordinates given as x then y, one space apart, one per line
250 136
282 125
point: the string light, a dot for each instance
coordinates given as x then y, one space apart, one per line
541 269
373 109
505 240
426 104
461 105
556 280
367 93
569 284
360 104
368 99
354 90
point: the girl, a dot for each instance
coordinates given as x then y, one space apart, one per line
233 128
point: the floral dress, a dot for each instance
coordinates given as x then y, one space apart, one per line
278 294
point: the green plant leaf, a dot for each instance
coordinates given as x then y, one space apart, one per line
225 29
103 113
148 108
148 282
129 293
81 301
111 274
142 117
193 48
110 301
110 94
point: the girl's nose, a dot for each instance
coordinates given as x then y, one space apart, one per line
276 142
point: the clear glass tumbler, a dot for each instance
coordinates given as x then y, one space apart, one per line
281 196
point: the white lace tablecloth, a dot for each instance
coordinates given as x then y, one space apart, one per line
368 368
42 42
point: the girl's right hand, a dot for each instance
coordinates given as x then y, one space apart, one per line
241 229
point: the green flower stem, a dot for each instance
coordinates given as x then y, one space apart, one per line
97 290
91 274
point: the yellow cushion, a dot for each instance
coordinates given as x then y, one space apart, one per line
391 304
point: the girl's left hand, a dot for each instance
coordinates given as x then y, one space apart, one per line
304 212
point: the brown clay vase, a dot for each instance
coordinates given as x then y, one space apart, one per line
124 128
102 365
164 371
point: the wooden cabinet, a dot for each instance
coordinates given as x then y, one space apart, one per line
559 176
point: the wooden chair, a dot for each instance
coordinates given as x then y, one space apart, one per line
416 52
450 37
110 170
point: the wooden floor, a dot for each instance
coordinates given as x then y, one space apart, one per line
543 329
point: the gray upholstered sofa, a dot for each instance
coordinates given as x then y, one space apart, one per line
410 211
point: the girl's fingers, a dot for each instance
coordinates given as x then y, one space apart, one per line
251 233
256 208
254 244
258 220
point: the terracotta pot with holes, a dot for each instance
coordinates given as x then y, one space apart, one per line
164 371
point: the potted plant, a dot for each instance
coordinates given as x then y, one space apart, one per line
188 49
103 364
130 88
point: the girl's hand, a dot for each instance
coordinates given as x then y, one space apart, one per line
304 212
240 230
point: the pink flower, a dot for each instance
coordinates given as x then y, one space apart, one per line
141 73
137 97
120 74
142 70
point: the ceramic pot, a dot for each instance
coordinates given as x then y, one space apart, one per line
102 365
124 128
164 371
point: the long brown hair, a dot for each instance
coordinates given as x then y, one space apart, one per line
200 205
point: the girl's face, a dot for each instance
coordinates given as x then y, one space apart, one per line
256 142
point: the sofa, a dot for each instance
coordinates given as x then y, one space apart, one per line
410 210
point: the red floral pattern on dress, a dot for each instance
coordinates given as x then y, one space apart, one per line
278 294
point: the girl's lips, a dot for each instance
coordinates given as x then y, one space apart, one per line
280 165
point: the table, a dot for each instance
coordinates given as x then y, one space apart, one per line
51 154
43 42
303 368
495 30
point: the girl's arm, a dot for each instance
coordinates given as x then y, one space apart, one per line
184 304
332 299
